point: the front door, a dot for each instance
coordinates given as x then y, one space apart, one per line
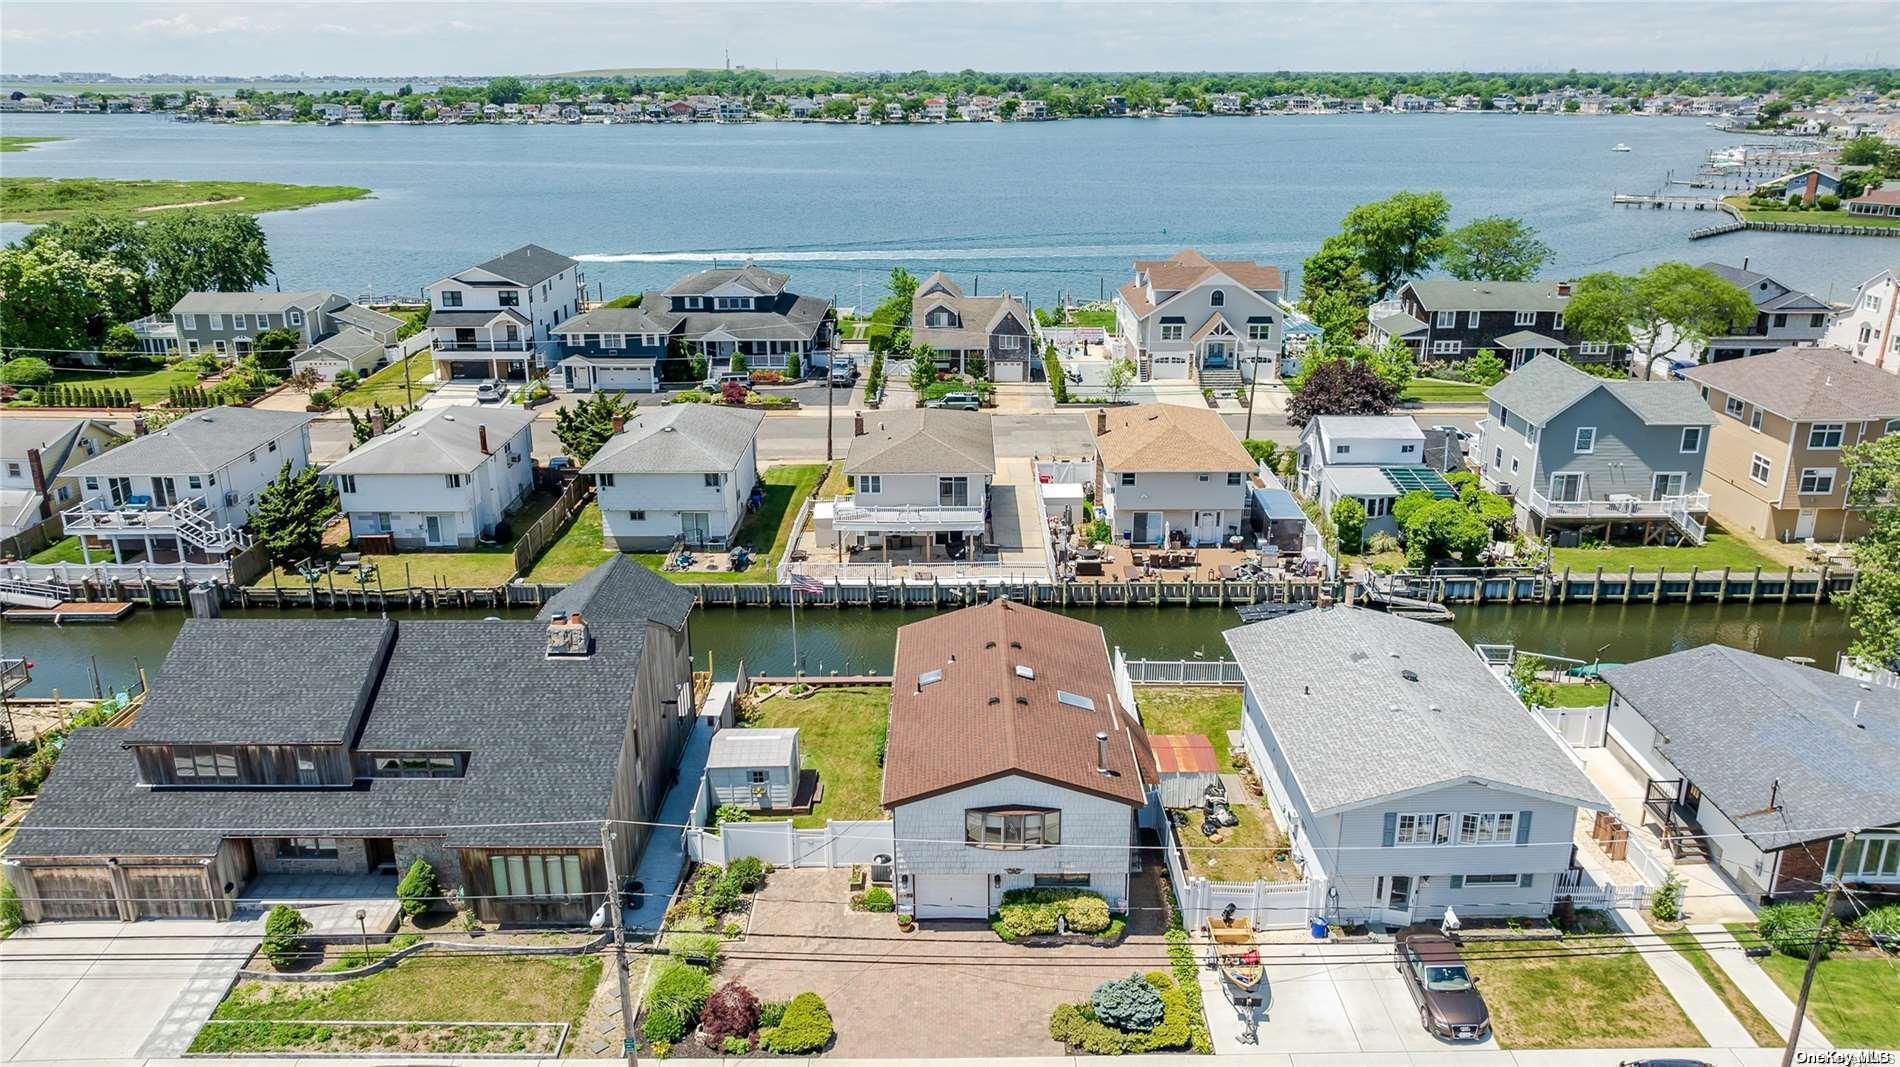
1216 354
381 853
432 529
1566 487
1804 524
1398 900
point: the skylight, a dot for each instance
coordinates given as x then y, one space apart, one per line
1025 672
928 677
1075 700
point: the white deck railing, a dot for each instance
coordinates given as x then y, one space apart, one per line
853 518
189 519
1628 507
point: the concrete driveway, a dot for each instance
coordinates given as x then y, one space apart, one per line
1350 999
949 989
108 990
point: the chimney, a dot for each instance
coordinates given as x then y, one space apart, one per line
1101 752
1101 421
481 438
619 423
857 424
1563 288
375 422
39 482
138 426
568 637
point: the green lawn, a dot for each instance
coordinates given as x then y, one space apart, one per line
1744 1009
51 199
1102 317
1849 991
21 144
1583 695
424 989
484 566
1813 218
1721 549
148 386
1245 852
1439 391
65 550
1191 710
581 549
838 735
385 386
1577 994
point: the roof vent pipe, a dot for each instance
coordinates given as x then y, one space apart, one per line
1101 752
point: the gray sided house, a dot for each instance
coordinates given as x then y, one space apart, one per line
1580 453
1784 316
1443 320
996 329
612 350
754 768
493 750
743 311
227 324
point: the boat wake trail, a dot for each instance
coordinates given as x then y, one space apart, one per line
844 255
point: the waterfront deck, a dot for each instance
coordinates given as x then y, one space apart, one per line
61 614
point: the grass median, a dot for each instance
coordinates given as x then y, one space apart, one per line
1745 1012
1594 992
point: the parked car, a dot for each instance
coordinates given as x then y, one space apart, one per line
716 382
1462 435
1449 1005
957 402
491 391
844 370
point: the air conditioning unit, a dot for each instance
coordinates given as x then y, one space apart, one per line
230 499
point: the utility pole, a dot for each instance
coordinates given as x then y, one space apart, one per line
1814 950
830 361
620 944
1253 386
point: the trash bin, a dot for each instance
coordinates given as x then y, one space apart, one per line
1318 925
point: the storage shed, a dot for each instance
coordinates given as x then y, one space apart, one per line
754 768
1186 766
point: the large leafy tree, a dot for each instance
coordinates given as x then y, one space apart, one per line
585 427
1340 387
1496 248
1397 239
1335 291
1658 310
192 252
274 347
53 300
291 512
1874 605
896 307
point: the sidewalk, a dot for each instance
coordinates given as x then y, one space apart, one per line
664 856
1751 1057
1755 984
1719 1026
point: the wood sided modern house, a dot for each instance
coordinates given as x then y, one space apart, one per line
1443 320
499 773
1010 761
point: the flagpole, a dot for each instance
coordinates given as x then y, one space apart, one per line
794 629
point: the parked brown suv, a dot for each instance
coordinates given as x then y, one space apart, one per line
1447 996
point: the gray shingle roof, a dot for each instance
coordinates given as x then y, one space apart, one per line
1664 403
1530 339
796 320
1736 723
250 303
350 343
679 439
367 318
621 590
220 683
922 441
1398 324
527 265
1546 385
613 320
1767 293
756 278
203 441
753 747
1450 294
1354 730
979 315
1805 384
436 441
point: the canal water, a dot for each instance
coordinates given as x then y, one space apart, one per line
858 641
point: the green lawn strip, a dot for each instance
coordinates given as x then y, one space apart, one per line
385 386
1440 391
484 566
1853 995
36 200
1100 317
1582 695
423 990
1751 1018
1191 710
838 731
1841 217
580 549
1718 551
65 550
1581 994
146 387
21 144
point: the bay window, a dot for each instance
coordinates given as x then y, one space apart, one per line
1869 859
1012 827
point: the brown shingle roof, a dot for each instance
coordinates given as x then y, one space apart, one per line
1161 438
1806 384
1137 298
1882 195
983 719
1187 267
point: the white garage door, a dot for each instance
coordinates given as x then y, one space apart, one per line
612 378
1009 371
953 896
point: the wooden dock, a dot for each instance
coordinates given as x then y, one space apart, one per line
72 611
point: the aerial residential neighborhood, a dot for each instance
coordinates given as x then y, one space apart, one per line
817 549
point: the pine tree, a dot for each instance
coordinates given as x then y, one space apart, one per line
291 512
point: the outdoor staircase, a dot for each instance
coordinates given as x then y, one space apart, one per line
1221 378
19 593
195 524
1677 512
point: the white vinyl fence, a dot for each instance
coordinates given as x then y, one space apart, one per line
1579 727
1184 672
1271 905
836 844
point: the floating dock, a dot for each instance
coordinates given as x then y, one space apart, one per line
72 611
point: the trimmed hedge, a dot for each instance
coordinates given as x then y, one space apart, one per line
1029 912
879 899
805 1027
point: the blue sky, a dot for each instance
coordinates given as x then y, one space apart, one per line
384 37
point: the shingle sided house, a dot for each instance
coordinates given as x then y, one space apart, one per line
996 329
1171 474
35 457
1784 316
683 472
1443 320
332 333
439 478
725 312
1757 764
370 755
1010 761
1576 451
1406 775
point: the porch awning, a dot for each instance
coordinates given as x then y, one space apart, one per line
851 519
1531 339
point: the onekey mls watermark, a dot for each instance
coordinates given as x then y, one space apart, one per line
1844 1057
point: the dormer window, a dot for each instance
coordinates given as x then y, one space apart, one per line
1217 298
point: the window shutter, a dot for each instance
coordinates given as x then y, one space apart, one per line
1523 827
1457 881
1524 880
1391 829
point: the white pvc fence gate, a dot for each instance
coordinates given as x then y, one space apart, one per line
1580 727
1184 672
836 844
1270 905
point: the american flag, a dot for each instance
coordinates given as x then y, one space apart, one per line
808 584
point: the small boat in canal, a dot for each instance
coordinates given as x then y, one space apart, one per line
1236 952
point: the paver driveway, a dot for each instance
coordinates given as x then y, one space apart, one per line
951 989
1333 997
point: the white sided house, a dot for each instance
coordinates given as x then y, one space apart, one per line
441 478
180 494
683 472
1171 475
1405 773
1374 459
497 319
1870 328
35 457
918 478
1190 317
1010 762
